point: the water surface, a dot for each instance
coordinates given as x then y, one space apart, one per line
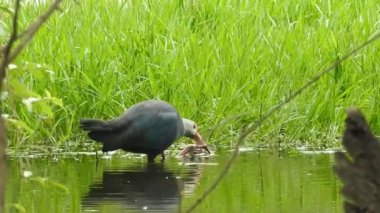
257 182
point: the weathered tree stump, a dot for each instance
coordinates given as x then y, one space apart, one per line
359 169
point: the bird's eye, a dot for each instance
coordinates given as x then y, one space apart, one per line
194 126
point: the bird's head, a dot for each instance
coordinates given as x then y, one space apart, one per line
191 131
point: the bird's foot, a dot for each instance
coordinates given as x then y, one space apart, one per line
192 150
163 157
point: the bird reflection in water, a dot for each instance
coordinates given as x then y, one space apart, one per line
150 187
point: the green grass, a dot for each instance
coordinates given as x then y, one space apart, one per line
210 59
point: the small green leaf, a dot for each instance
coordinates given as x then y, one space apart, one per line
6 10
48 94
59 186
18 207
47 182
37 73
43 108
56 101
20 124
20 90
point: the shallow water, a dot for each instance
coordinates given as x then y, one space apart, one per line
257 182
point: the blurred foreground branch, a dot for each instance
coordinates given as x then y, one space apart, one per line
360 169
6 50
8 53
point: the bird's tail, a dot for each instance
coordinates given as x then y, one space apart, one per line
93 125
101 131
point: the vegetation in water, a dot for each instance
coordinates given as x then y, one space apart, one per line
210 59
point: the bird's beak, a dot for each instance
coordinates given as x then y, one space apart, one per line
199 141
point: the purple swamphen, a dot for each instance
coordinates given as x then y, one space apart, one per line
148 127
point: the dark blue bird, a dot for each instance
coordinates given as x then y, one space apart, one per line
148 127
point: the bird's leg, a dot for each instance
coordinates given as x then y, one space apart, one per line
163 157
200 148
193 149
151 158
97 159
187 149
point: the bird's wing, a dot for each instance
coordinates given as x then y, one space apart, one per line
152 131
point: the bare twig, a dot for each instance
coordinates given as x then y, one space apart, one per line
7 48
9 54
255 125
29 33
4 54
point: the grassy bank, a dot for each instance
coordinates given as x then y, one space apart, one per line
211 59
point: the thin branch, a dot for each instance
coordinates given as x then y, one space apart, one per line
28 34
7 49
258 123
